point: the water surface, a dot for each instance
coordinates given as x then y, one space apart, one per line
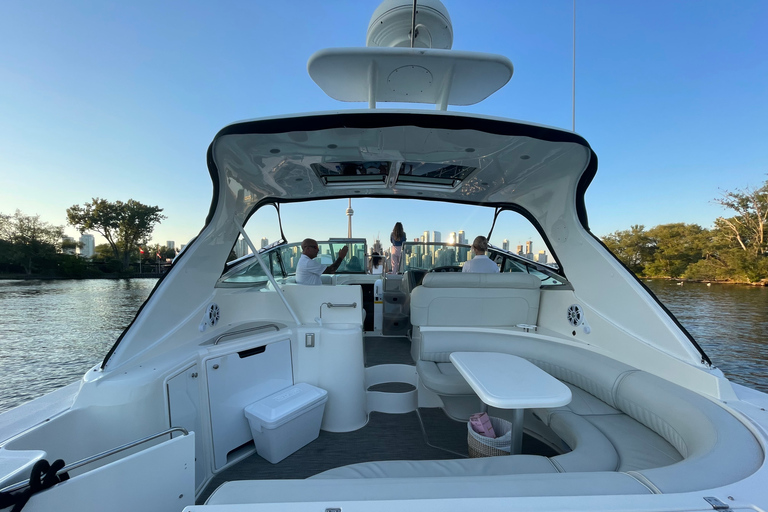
729 321
52 332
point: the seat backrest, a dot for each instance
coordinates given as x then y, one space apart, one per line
468 299
704 433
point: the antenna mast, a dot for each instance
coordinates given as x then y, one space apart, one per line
573 88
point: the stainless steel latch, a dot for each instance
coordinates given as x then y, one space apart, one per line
716 503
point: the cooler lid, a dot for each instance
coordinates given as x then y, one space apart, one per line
286 404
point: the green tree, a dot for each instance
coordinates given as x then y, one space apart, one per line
747 229
163 251
632 247
31 240
70 246
168 253
675 247
103 252
124 225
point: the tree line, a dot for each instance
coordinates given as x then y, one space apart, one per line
735 249
31 246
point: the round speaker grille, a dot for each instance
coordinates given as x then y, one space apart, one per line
213 314
575 316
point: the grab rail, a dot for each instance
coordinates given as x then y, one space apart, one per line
99 456
332 305
242 331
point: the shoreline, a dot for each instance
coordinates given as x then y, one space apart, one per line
23 277
147 275
761 283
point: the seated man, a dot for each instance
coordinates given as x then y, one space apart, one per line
308 270
480 262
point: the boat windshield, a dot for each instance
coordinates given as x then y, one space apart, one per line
438 234
450 257
282 260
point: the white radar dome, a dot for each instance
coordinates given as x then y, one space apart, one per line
391 22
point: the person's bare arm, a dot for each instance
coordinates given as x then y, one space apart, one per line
330 269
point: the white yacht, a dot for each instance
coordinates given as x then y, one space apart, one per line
237 389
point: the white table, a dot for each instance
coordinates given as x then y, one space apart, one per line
510 382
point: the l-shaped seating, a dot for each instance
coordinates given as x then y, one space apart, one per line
621 419
630 433
626 431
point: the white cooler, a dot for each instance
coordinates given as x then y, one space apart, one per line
287 420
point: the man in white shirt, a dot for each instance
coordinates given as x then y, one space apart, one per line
480 263
308 270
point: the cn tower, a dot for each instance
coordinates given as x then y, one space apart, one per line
350 213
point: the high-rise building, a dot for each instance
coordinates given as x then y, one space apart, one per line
519 250
88 246
505 244
529 250
462 238
452 237
170 244
264 242
542 257
425 237
241 248
436 237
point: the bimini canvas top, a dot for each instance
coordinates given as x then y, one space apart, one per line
408 154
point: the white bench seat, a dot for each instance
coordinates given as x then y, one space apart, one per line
444 377
465 300
667 437
486 466
364 489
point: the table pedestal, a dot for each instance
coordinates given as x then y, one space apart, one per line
517 431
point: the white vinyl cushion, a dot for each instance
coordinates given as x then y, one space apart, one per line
442 378
485 466
506 280
365 489
717 448
590 449
466 299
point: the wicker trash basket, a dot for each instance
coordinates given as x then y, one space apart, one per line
481 446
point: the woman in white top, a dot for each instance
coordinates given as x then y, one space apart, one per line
480 263
376 264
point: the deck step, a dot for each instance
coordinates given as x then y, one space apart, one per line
402 397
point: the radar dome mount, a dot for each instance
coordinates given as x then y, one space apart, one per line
394 20
394 67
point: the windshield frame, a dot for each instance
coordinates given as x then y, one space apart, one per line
282 258
508 261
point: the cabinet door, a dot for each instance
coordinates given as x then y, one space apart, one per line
184 411
237 380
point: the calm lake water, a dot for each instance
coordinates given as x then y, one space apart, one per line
52 332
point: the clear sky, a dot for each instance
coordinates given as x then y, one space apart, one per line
120 99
